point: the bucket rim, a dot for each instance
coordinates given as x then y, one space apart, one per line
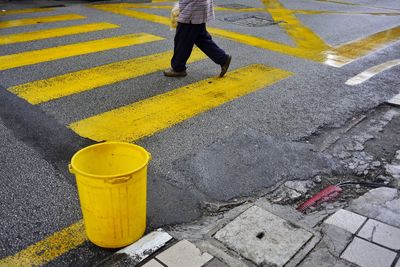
76 170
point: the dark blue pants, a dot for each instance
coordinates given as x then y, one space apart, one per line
188 35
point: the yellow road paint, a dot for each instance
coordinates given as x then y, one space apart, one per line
366 75
146 117
310 45
48 248
302 35
24 11
122 9
57 32
268 45
234 36
59 52
366 45
72 83
32 21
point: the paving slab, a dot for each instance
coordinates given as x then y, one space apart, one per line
263 237
382 204
346 220
367 254
185 254
381 233
327 252
153 263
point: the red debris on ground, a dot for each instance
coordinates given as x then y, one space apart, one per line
327 194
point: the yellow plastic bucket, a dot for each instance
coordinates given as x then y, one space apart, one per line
111 179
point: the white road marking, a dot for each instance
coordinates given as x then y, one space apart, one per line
367 74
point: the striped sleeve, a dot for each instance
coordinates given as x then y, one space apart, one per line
196 11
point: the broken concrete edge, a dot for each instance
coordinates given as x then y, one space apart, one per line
223 253
395 101
141 249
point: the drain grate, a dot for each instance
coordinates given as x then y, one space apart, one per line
235 6
251 20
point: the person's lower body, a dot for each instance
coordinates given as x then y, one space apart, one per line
188 35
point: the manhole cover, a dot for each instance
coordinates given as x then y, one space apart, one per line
235 6
263 237
251 20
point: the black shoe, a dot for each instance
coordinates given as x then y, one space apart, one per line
174 73
225 67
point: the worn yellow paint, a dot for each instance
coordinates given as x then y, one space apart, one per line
369 73
24 11
310 46
72 83
146 117
368 44
65 51
57 32
231 35
302 35
267 44
32 21
48 248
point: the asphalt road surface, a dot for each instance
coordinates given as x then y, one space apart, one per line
75 73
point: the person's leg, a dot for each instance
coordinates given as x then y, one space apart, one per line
185 36
206 44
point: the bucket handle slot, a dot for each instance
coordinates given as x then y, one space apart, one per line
118 180
71 170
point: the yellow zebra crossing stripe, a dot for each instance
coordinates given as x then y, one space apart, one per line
49 248
51 33
24 11
59 52
72 83
146 117
33 21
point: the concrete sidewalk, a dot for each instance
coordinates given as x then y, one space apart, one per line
366 233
